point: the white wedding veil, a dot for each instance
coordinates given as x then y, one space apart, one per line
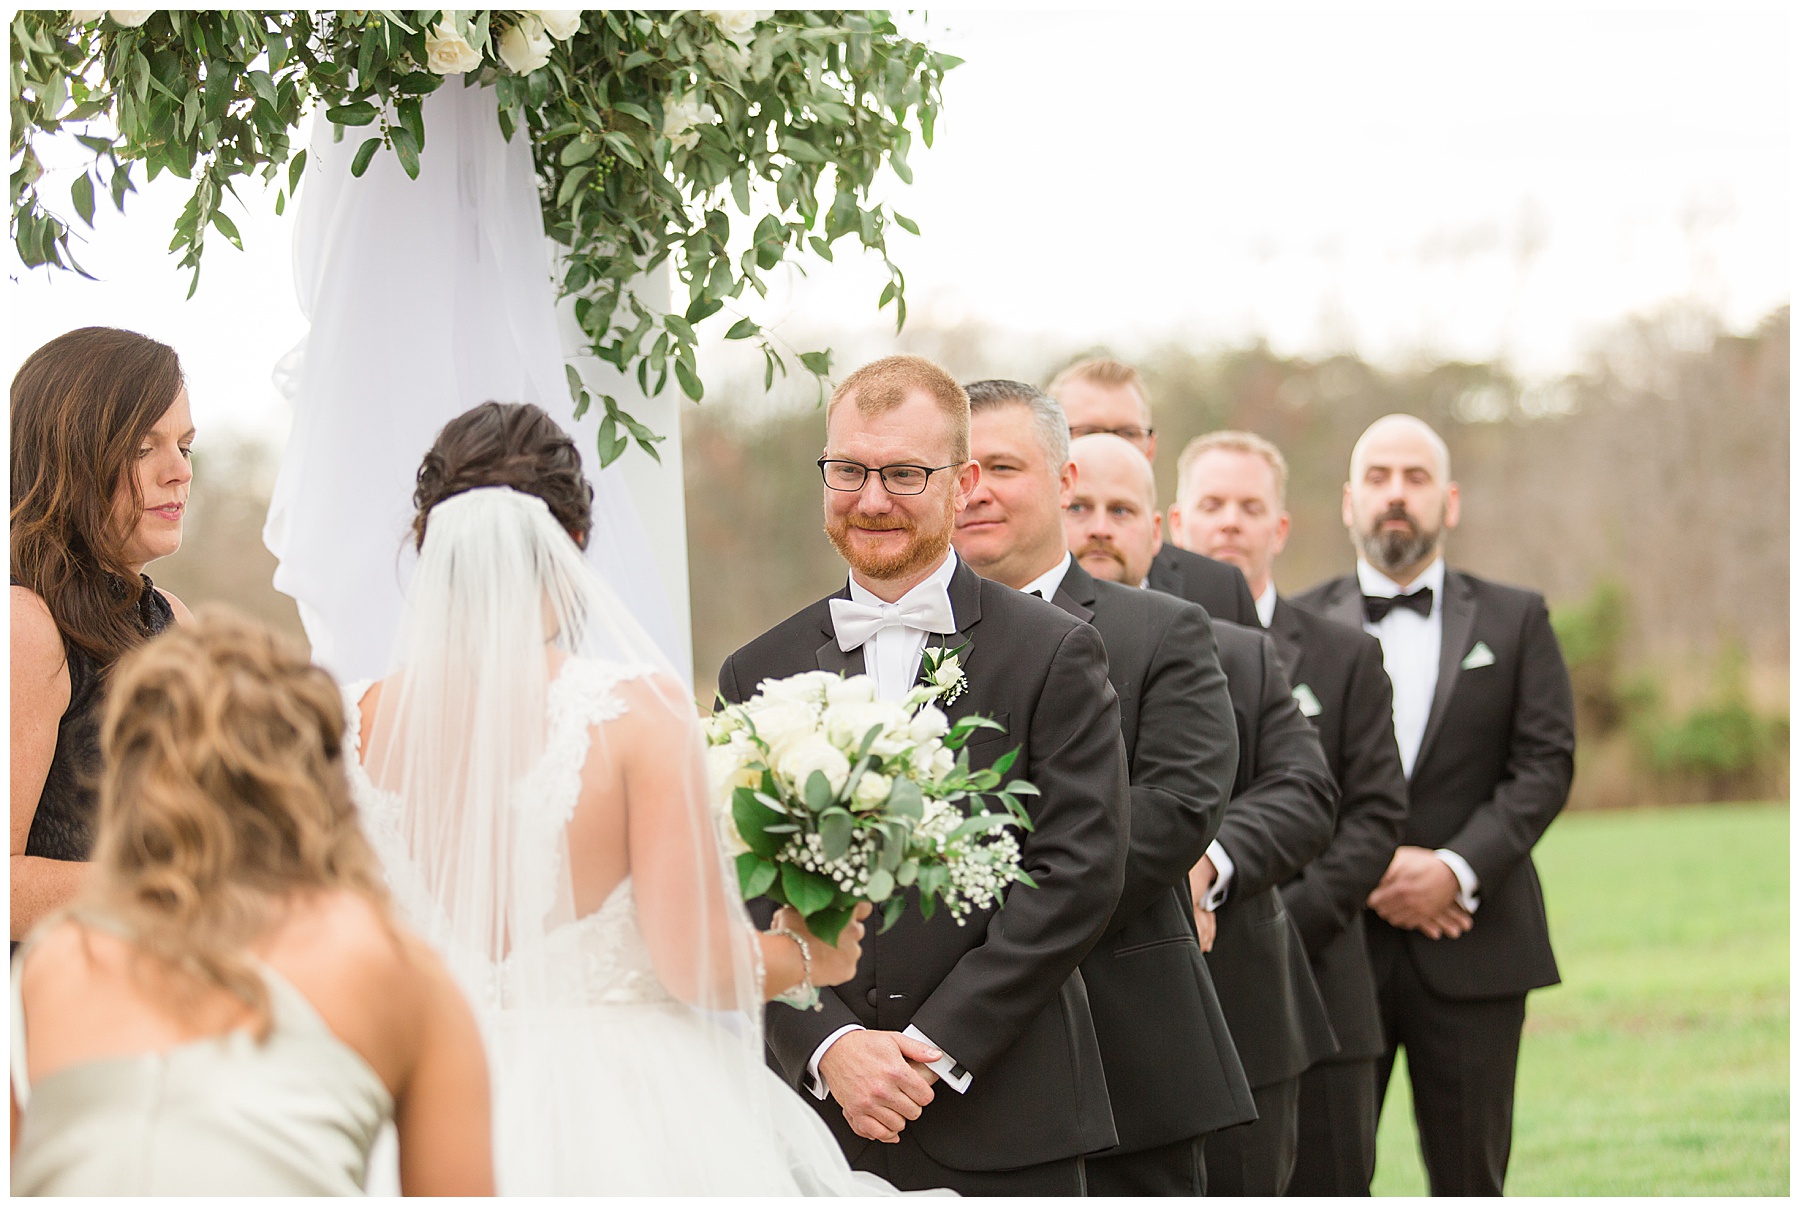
533 762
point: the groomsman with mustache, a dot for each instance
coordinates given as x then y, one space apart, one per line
1107 397
1484 719
1279 818
1172 1073
1230 505
959 1056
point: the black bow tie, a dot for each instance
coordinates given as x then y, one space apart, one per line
1375 607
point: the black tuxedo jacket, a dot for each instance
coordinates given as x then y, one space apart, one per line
1491 775
1217 586
1280 817
1001 994
1171 1068
1340 683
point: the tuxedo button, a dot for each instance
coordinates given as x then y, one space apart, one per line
874 998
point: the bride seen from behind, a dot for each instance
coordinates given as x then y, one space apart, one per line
531 775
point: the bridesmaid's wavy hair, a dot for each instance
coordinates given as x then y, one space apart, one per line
511 444
81 407
222 793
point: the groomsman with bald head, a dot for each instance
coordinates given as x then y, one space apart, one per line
1231 504
1484 721
1280 818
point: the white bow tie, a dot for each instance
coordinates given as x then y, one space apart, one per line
857 622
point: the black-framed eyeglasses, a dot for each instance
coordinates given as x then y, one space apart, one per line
1132 433
895 479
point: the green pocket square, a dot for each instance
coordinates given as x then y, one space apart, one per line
1309 703
1479 656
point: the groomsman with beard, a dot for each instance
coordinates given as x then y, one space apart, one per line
1484 717
959 1056
1230 505
1108 397
1171 1070
1279 818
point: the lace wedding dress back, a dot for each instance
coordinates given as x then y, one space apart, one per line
534 785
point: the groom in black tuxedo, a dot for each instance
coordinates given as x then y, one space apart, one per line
1103 396
1171 1069
1484 719
1231 503
959 1056
1279 817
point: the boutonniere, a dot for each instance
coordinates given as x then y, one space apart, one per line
943 675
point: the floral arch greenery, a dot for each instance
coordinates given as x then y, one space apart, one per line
648 128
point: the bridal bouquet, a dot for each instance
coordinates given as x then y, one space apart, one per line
829 797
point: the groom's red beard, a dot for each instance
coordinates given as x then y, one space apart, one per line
922 551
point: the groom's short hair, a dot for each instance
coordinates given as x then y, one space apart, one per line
881 385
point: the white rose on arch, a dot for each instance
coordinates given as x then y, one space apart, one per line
682 116
560 23
130 18
737 23
526 46
812 754
82 16
448 53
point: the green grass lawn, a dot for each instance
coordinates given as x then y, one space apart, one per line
1660 1064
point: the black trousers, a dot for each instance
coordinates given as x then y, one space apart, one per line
909 1167
1337 1129
1463 1060
1173 1170
1257 1158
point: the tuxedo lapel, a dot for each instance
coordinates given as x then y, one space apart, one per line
1165 575
1346 606
1075 594
1459 625
829 656
1288 648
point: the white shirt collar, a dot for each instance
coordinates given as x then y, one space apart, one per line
937 580
1046 583
1375 583
1265 604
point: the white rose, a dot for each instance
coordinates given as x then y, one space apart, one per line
783 724
680 117
871 789
526 47
729 837
447 53
943 762
130 18
928 723
814 754
737 23
857 689
808 685
725 769
560 23
847 724
82 16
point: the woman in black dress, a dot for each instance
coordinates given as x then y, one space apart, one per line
100 439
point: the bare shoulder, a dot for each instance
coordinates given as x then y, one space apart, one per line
68 958
35 638
182 615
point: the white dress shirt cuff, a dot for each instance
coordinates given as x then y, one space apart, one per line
814 1082
1468 884
945 1066
1215 897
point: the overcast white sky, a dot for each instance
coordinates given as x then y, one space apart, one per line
1464 182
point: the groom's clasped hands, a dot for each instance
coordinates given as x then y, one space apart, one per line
880 1080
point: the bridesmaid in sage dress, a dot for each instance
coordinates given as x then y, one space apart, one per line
100 440
229 1007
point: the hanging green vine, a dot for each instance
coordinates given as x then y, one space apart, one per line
656 135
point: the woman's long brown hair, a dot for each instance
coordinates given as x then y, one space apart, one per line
222 796
81 407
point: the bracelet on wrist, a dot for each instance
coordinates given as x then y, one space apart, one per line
804 996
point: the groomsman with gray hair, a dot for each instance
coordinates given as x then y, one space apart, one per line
1231 504
1172 1073
1101 396
1278 820
1484 719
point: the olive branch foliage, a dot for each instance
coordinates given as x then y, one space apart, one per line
657 136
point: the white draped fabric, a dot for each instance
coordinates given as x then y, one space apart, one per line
425 297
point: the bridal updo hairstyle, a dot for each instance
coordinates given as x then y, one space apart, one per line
81 407
513 444
223 792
